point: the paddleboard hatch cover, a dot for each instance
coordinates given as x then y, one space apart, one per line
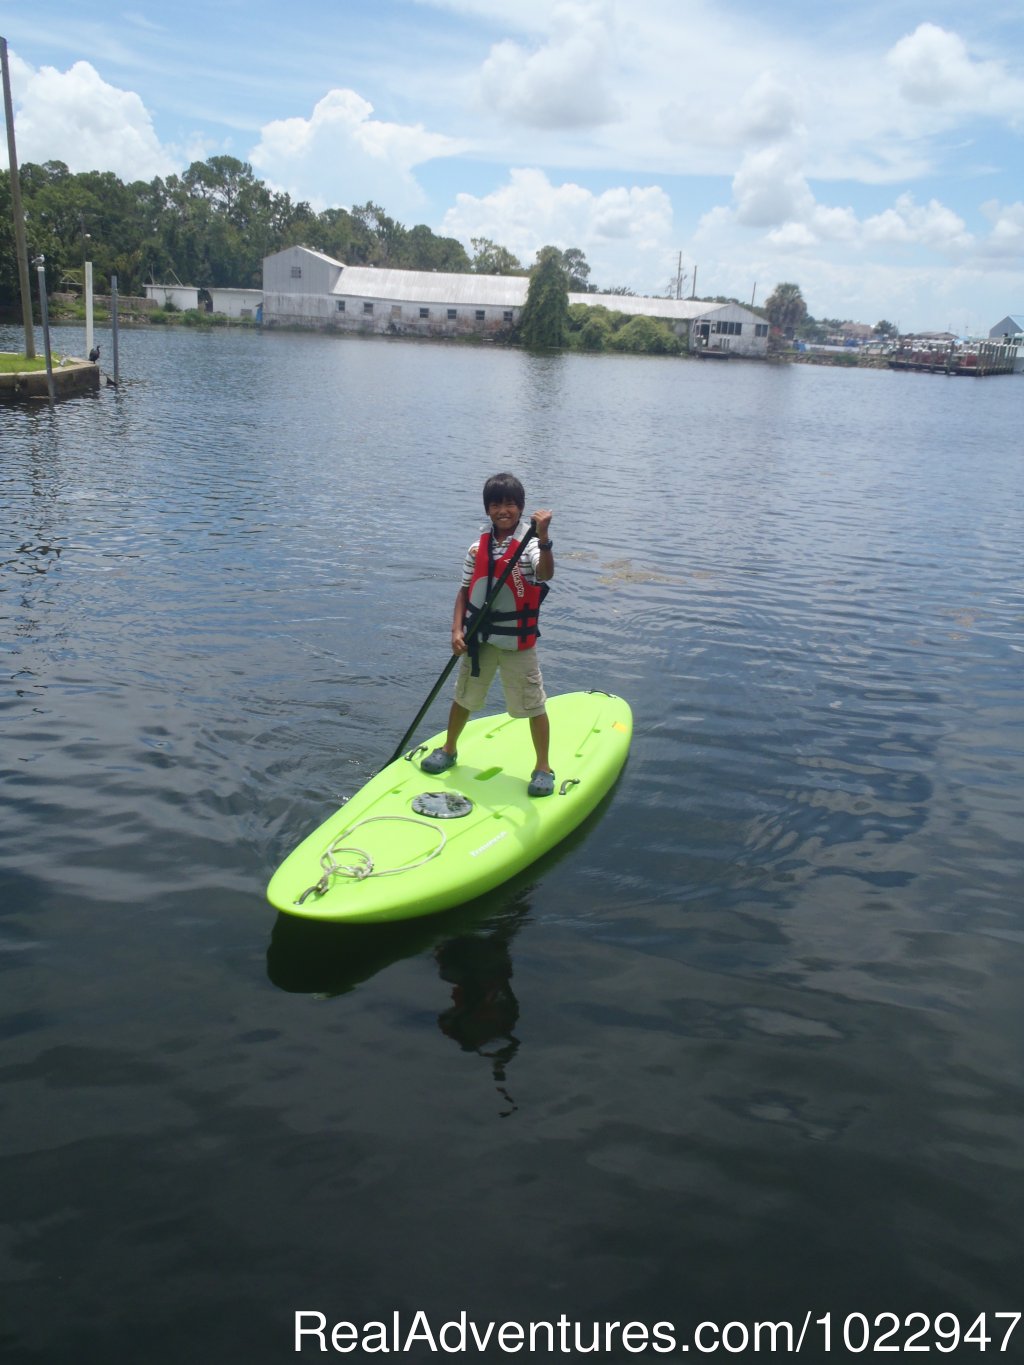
410 844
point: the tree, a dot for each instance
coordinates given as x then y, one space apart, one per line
544 320
786 309
424 250
885 328
385 237
491 259
574 263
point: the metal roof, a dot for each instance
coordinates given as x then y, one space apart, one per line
432 286
675 310
497 291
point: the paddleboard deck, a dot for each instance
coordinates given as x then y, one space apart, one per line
411 843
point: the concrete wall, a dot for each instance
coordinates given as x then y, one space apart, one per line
69 380
357 313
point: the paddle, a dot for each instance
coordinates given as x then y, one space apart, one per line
474 627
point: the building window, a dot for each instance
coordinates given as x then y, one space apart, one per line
481 315
367 307
453 313
507 315
424 312
296 272
341 305
396 310
760 329
728 329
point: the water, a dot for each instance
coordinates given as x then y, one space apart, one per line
746 1048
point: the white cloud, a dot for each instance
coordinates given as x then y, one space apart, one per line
769 189
76 117
563 83
1006 240
933 67
625 233
767 111
931 225
349 155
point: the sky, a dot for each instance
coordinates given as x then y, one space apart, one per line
869 152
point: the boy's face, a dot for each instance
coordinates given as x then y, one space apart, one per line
505 515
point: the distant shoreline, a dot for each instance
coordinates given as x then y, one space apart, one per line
133 319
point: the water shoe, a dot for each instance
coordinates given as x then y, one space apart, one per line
541 783
438 762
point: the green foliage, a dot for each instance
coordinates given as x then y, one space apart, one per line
649 336
786 308
210 226
574 263
491 259
592 327
544 320
596 328
596 332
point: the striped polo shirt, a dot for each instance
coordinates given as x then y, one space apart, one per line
528 562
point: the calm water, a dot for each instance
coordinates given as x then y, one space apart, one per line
747 1046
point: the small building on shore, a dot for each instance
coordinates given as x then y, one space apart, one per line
183 296
1011 326
232 303
305 288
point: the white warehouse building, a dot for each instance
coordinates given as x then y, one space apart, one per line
304 288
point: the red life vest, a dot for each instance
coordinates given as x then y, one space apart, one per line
512 620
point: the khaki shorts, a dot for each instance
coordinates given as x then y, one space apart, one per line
520 679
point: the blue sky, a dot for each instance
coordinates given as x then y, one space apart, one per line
870 152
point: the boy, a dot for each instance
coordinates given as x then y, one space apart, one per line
507 639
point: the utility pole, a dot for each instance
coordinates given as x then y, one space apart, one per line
20 247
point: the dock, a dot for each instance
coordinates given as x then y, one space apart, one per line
975 358
71 377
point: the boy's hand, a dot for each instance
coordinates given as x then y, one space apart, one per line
541 522
458 642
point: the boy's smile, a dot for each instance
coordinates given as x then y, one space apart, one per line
505 517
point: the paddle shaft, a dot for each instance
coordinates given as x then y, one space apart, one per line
474 627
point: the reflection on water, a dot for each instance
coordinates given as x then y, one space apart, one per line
484 1010
751 1030
475 963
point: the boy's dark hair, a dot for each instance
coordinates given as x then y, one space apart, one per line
501 488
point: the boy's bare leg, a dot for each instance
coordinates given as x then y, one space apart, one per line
540 732
457 717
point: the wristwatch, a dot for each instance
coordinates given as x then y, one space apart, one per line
544 544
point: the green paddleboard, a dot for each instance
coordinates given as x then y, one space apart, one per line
412 843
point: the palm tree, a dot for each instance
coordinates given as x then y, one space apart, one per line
786 309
